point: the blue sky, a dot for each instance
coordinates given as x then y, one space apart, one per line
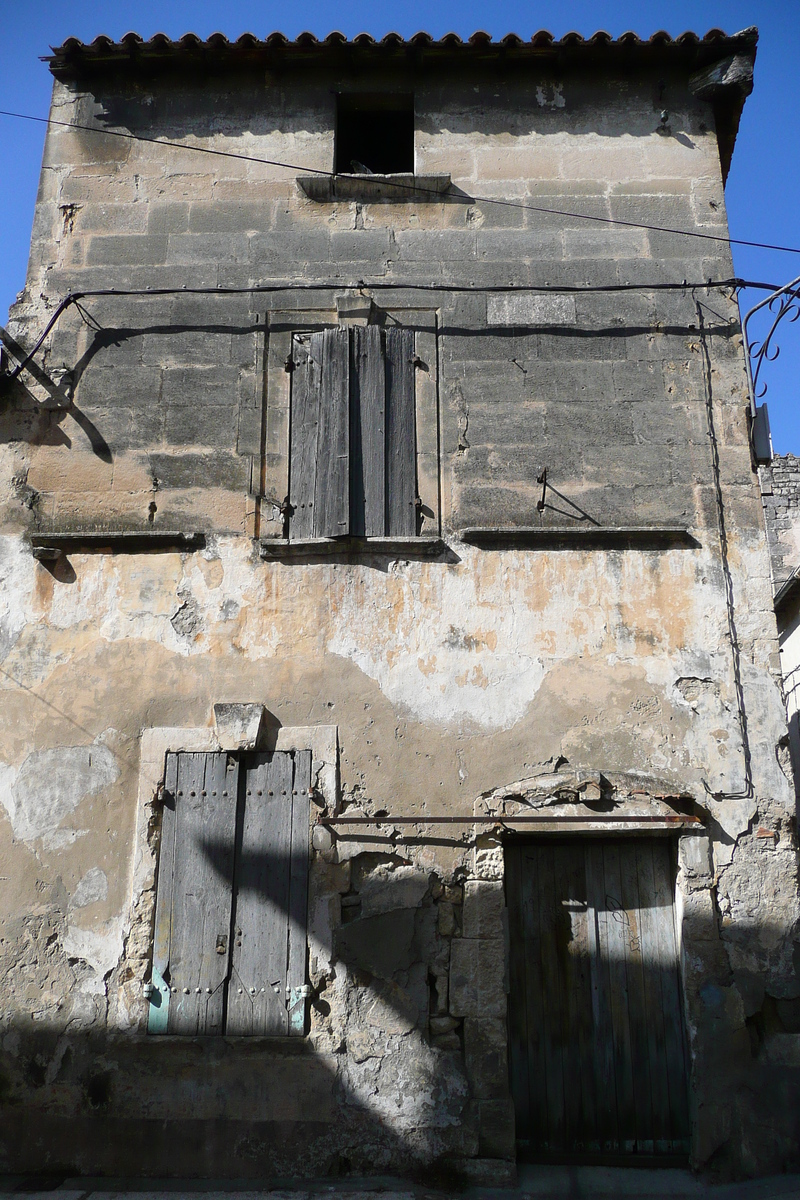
763 189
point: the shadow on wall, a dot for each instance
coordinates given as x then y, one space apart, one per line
166 112
405 1070
370 1090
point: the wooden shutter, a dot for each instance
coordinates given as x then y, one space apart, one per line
596 1036
401 454
332 491
319 439
352 451
268 957
367 433
304 428
195 875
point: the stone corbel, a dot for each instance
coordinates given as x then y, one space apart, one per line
354 308
240 726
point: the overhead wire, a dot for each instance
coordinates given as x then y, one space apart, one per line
410 187
380 285
416 189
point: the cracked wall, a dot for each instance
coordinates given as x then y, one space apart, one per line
606 670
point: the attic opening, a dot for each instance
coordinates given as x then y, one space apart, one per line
374 134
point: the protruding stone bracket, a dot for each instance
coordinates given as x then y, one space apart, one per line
240 726
354 308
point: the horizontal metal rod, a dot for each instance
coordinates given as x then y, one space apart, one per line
539 818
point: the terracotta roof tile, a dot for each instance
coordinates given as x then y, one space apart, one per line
75 57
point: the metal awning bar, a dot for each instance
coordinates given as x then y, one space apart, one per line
527 819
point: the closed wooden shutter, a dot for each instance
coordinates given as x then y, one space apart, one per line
368 433
195 878
319 449
306 381
401 455
229 952
596 1037
352 454
269 921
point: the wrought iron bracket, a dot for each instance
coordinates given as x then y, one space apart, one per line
782 304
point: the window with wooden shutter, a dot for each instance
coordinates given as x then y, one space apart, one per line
352 457
229 953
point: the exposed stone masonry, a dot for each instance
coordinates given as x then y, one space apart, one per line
780 494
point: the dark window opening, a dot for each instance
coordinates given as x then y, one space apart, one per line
374 134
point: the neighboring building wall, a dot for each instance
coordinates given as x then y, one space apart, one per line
780 494
641 656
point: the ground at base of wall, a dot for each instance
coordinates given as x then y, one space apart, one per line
534 1182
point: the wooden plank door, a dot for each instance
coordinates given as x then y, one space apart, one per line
596 1035
229 951
195 875
268 957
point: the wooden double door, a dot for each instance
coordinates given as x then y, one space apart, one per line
596 1030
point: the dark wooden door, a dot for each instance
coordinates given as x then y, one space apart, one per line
596 1034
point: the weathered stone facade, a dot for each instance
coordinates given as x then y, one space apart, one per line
597 642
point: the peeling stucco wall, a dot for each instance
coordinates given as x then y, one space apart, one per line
450 677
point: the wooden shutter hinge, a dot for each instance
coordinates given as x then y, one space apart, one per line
418 362
289 365
296 994
542 479
286 509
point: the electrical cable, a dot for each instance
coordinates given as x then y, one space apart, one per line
411 187
730 600
381 285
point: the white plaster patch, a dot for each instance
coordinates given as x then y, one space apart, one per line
59 839
91 888
444 657
409 1089
530 310
16 581
100 949
733 817
50 785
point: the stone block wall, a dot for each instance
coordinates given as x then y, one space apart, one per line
449 676
780 494
605 390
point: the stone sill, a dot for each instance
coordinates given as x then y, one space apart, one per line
404 547
50 545
556 537
409 187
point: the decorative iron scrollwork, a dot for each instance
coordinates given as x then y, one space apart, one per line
783 304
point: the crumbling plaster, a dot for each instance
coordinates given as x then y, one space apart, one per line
452 682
